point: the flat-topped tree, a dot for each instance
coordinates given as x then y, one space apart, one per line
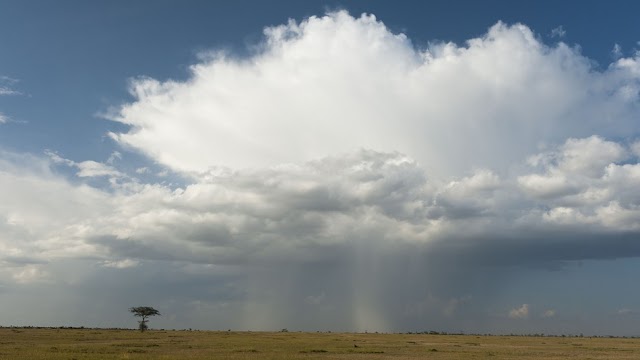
144 312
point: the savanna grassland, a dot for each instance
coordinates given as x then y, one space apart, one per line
33 343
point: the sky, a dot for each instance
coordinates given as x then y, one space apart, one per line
321 165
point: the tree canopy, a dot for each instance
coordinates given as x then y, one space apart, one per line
144 312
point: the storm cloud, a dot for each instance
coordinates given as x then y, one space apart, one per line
340 178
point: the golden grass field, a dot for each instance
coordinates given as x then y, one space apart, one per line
32 343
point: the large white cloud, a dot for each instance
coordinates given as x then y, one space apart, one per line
336 83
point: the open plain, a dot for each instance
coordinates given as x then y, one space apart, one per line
37 343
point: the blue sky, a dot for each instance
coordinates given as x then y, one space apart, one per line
440 166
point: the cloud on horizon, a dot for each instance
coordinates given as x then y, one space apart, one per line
520 313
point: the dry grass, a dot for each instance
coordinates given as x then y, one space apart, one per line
128 344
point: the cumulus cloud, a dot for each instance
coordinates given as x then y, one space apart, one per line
549 313
587 181
520 313
328 202
93 168
589 156
336 83
89 168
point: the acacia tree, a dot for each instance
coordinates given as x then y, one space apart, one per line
144 312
